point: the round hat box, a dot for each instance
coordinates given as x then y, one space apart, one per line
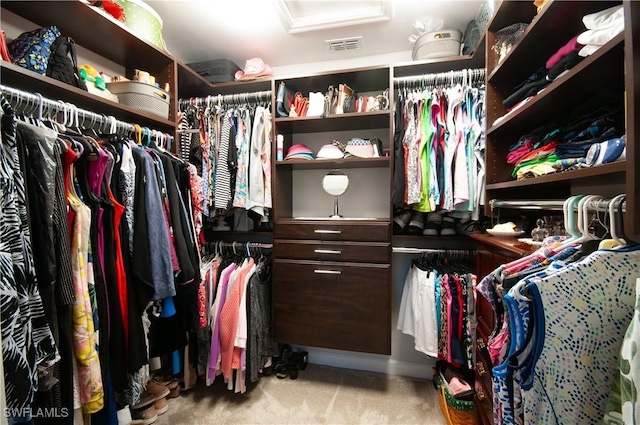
143 21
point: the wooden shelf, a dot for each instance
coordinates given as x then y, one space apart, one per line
94 30
508 244
17 77
305 164
362 80
567 92
563 19
477 60
585 173
339 122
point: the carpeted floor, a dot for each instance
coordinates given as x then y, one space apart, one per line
320 395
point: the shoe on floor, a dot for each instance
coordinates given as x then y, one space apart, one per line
144 412
157 389
161 405
171 383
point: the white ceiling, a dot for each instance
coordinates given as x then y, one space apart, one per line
200 30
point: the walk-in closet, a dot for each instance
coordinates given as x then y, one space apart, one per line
319 212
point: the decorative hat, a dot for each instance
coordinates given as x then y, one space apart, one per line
299 151
360 147
330 152
254 68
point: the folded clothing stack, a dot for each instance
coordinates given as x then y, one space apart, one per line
601 27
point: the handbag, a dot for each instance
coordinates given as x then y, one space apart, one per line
63 63
284 100
458 409
32 49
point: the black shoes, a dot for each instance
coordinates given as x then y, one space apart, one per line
290 363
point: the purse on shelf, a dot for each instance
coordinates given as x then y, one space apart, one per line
300 105
32 49
63 63
284 100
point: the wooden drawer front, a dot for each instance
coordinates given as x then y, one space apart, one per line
367 252
330 230
333 305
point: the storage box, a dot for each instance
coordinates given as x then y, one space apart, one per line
217 70
142 96
143 21
437 44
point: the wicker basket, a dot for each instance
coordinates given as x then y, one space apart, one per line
142 96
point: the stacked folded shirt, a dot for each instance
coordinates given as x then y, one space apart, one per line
601 28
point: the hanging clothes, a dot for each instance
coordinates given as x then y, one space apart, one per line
434 307
28 346
442 135
554 320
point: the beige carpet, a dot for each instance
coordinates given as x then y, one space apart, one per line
320 395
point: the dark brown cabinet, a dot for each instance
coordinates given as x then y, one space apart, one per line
336 305
491 252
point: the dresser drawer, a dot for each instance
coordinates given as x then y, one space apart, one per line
366 252
333 305
334 230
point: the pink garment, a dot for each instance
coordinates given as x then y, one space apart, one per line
229 320
571 46
515 156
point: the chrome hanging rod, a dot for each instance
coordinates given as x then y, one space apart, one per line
548 204
470 75
37 106
227 99
411 250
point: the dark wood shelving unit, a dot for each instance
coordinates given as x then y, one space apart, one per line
94 30
318 164
563 94
528 54
599 172
336 122
16 77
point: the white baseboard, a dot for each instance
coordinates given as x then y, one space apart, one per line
369 362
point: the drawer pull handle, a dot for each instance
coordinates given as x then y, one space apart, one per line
327 251
320 271
330 232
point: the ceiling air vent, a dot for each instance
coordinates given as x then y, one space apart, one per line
339 44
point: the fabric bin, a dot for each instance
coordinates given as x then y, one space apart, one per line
217 70
143 21
142 96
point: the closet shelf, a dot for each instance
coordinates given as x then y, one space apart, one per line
567 91
586 173
190 83
551 23
509 244
339 122
17 77
428 66
304 164
93 30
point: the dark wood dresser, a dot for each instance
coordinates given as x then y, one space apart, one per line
331 284
491 252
